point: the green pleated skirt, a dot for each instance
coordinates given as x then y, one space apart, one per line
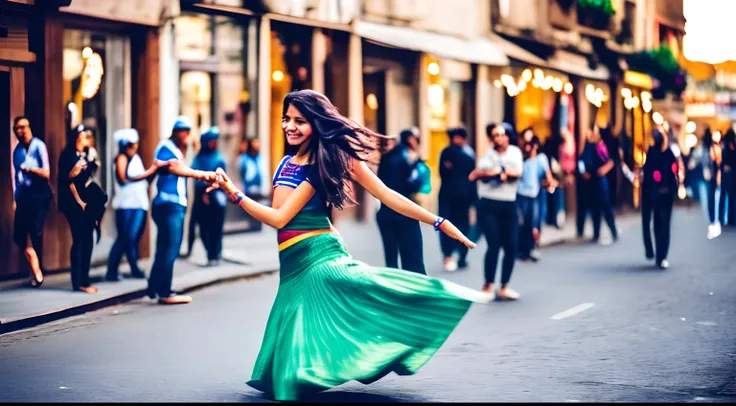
336 319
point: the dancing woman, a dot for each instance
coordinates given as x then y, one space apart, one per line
336 319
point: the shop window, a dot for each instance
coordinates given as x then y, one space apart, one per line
96 75
217 85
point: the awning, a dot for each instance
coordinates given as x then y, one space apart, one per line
480 51
577 65
147 12
514 51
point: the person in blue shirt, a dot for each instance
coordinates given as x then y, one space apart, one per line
168 210
31 196
209 208
535 171
250 168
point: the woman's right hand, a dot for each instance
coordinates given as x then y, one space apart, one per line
448 228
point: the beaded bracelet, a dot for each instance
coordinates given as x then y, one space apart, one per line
438 223
239 197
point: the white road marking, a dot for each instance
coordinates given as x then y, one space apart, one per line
571 312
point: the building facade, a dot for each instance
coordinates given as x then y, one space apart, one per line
97 59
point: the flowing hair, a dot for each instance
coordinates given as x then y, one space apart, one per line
336 140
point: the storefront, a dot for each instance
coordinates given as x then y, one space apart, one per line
217 64
83 64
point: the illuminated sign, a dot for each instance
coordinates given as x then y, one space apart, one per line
638 79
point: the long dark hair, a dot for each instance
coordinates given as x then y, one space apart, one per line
335 141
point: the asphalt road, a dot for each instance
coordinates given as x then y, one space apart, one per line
595 323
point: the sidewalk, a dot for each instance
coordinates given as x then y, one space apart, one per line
246 255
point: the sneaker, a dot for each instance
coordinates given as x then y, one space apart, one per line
451 266
535 255
605 242
664 264
507 294
715 231
462 264
175 299
488 290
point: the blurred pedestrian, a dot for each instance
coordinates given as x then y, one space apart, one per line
727 204
168 210
536 172
250 168
456 195
130 201
597 164
208 211
658 192
31 196
76 168
498 173
401 235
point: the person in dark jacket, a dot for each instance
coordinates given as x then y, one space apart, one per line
456 194
209 208
596 163
659 188
401 235
75 171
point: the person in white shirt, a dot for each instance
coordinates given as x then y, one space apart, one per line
130 201
499 171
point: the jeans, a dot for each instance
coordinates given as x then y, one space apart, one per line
130 224
82 245
725 202
713 197
458 212
401 236
528 212
601 203
499 221
702 190
662 209
541 209
169 219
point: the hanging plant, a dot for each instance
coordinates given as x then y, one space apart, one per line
660 63
605 6
595 13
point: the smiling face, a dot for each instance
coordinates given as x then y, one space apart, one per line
296 128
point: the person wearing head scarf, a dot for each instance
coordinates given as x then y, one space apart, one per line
209 208
130 201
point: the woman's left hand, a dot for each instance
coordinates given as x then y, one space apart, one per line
448 228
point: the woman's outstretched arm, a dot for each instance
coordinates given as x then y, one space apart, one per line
276 218
363 175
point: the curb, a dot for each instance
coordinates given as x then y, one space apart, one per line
58 314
